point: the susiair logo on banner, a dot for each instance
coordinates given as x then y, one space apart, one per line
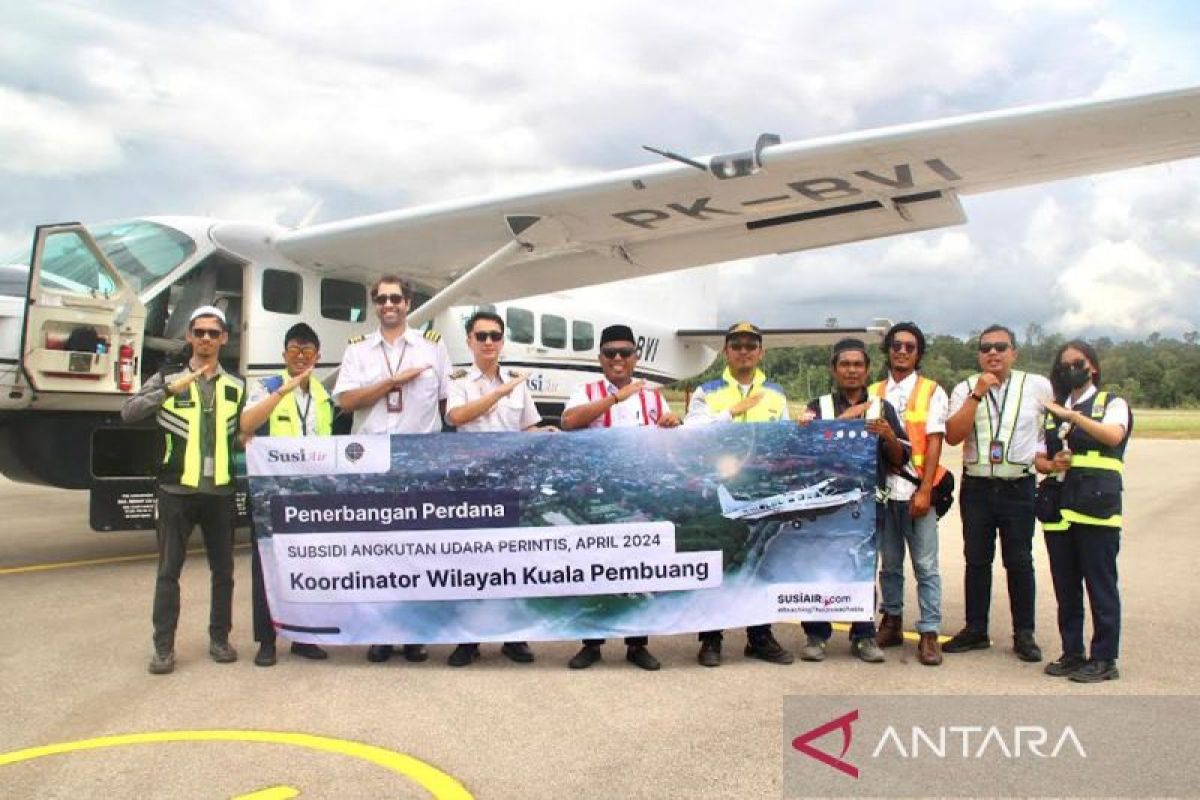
272 455
821 601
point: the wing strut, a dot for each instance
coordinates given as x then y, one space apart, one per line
476 275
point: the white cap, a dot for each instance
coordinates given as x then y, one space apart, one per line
209 311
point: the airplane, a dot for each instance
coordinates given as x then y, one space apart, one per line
103 305
794 506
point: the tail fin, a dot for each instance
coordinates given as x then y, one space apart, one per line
728 504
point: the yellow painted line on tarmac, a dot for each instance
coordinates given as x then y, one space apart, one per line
912 636
439 785
273 793
91 562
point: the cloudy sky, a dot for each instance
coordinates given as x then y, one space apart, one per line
260 110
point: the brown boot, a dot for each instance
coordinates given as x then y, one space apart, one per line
891 631
929 652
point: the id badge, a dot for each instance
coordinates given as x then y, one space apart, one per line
395 401
996 452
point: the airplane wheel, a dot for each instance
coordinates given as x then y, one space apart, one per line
856 513
796 524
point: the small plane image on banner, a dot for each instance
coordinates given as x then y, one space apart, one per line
806 503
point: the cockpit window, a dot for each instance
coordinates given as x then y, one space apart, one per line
142 251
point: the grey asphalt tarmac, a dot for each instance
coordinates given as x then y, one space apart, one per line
75 638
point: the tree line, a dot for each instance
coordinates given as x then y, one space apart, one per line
1157 372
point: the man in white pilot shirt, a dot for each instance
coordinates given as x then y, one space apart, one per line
483 399
395 380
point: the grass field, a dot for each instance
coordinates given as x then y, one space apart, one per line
1149 423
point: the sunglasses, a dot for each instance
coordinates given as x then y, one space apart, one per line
488 336
394 299
999 347
743 347
308 351
617 352
211 333
904 347
1078 363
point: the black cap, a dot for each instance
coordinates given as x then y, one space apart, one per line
616 333
743 329
846 345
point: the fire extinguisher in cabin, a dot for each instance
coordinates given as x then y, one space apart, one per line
125 367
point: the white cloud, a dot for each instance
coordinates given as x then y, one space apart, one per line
46 137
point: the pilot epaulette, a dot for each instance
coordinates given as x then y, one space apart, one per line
433 336
458 373
356 339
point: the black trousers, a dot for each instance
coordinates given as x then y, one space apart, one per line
1086 555
991 506
178 514
264 628
632 641
755 634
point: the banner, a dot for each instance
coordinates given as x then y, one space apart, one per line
475 537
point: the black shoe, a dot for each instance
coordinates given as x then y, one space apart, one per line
162 663
1066 664
518 652
311 651
967 639
770 650
588 654
415 653
221 652
463 654
710 654
1095 671
640 656
379 653
265 657
1025 647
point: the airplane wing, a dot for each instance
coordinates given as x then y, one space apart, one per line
792 337
774 198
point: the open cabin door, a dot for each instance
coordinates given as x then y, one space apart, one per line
82 317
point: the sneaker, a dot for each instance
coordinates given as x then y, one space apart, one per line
463 655
639 656
1067 663
222 652
415 653
379 653
867 650
162 662
1095 671
891 631
769 650
518 652
813 650
310 651
710 654
588 654
967 639
1025 647
265 657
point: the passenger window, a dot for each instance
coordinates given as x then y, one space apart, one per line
583 336
281 291
554 331
519 323
343 300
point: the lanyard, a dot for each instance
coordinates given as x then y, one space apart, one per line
995 429
304 414
387 362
